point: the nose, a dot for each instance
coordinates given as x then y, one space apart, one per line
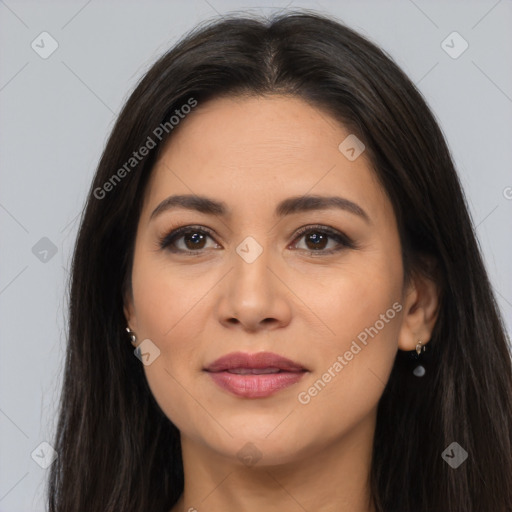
254 295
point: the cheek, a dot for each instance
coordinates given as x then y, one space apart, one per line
354 297
166 299
171 312
361 307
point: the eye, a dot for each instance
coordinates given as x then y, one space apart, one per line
317 239
187 239
193 240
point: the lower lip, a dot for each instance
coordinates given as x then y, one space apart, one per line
255 386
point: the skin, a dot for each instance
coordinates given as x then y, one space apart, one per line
251 153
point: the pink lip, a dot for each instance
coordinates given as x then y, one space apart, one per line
254 384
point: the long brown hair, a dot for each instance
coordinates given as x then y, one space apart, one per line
119 452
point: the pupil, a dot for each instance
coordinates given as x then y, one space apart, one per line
317 238
196 239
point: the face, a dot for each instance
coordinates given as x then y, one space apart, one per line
258 271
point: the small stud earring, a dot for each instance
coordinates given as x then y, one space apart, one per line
419 371
133 338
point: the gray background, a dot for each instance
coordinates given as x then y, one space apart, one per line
57 113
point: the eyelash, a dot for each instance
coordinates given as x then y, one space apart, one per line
344 241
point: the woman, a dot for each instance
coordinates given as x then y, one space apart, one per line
277 223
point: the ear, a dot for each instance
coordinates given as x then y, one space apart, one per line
421 308
129 310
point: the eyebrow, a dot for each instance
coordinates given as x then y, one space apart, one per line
288 206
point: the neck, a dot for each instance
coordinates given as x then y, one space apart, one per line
332 479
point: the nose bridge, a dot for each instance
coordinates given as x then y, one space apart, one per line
252 296
251 259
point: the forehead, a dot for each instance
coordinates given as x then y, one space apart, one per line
256 150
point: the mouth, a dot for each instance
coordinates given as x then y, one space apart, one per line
255 375
254 371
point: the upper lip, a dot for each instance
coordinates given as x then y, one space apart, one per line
259 360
